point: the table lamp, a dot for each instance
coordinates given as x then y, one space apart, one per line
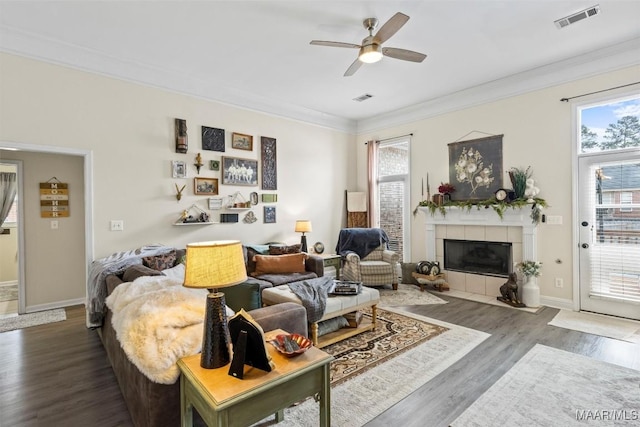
214 265
303 226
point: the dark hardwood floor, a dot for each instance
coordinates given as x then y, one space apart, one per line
58 374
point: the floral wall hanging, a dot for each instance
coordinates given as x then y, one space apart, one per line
475 168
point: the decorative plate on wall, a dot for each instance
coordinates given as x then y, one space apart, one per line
318 247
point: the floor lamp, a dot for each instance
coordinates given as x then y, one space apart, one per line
303 226
214 265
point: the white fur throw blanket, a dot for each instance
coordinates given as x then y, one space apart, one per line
158 321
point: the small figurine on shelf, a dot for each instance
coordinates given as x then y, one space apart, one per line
531 190
198 164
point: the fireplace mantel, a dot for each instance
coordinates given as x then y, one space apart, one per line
518 217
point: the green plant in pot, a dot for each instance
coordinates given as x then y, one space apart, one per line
530 268
518 177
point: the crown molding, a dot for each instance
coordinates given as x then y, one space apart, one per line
600 61
26 44
34 46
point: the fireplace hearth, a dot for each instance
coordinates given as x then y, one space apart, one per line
478 257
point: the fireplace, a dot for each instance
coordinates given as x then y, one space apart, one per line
478 257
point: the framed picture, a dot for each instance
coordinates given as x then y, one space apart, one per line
475 168
242 141
214 165
212 139
269 214
205 186
237 171
269 164
178 169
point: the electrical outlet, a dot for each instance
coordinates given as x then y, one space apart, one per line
117 225
559 282
554 219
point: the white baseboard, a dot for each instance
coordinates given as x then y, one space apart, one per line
8 283
561 303
52 305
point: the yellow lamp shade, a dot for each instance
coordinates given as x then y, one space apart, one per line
215 264
303 226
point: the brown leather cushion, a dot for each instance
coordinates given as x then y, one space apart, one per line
135 271
279 264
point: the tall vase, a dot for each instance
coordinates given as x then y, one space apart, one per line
531 292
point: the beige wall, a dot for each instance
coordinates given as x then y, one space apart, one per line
537 132
8 245
130 130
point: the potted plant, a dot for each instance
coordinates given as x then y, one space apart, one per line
446 189
530 288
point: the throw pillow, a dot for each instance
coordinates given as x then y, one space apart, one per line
284 249
138 270
279 264
160 262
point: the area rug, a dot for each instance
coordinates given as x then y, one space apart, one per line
551 387
393 335
9 323
361 398
407 295
8 293
598 324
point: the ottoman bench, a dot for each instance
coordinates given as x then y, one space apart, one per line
336 306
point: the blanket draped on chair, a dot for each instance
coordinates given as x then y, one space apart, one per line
313 294
362 241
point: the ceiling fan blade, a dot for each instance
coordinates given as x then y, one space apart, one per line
353 68
404 54
334 44
390 27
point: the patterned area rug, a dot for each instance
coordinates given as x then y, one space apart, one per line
393 335
551 387
407 295
12 322
370 391
8 293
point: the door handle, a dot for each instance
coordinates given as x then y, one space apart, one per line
584 223
585 245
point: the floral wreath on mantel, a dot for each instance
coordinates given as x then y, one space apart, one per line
523 186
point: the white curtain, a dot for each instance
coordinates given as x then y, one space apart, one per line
372 168
8 188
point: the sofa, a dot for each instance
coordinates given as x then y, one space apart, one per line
264 269
153 404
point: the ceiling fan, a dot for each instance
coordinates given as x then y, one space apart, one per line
371 49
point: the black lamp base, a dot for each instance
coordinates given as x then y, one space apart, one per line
215 338
303 242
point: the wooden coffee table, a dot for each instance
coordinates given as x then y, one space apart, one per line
223 400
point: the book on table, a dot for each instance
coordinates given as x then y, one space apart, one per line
354 318
345 287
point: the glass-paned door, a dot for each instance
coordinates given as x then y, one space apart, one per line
609 221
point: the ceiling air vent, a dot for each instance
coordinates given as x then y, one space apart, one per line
572 19
363 97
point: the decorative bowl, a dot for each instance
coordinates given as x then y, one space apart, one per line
291 344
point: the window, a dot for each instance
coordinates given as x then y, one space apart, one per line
393 193
626 198
12 217
608 126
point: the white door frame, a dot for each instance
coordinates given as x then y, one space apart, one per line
88 207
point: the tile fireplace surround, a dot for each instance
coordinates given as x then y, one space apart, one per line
515 227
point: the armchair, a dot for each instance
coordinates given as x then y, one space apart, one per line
366 258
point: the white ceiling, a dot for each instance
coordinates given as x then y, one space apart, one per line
257 54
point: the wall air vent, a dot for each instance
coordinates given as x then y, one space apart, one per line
572 19
363 97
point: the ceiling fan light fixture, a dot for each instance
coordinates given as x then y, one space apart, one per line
370 53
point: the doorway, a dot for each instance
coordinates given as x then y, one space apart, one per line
9 238
609 208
